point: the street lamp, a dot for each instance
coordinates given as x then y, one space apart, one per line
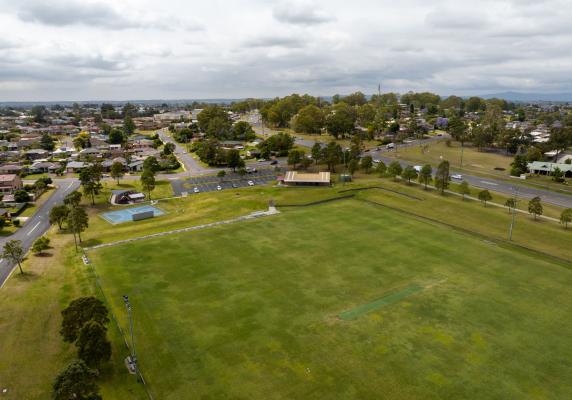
132 359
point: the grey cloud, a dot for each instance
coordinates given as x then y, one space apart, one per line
275 41
299 14
63 13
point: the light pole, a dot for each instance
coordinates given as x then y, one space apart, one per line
513 214
132 359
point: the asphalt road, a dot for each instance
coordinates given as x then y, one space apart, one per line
37 224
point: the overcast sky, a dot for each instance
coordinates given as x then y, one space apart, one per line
181 49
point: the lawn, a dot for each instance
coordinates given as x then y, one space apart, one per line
253 310
474 161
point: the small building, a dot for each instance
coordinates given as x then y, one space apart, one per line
76 166
43 166
9 183
126 197
136 166
295 178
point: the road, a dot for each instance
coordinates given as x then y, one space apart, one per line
192 166
37 224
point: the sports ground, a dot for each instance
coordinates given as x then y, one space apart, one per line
342 300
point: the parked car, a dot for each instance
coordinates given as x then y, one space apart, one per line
250 183
390 146
234 185
417 168
218 187
250 169
457 176
196 190
273 162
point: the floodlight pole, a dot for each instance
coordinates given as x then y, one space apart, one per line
133 354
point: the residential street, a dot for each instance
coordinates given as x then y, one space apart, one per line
37 224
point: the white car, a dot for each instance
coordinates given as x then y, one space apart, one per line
390 146
196 190
417 168
376 160
250 183
218 187
457 176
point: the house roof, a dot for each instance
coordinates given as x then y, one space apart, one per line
548 166
295 176
76 164
7 178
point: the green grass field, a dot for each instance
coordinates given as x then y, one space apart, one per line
253 310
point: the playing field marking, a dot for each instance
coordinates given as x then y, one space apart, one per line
388 299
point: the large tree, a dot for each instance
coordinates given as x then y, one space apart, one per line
535 207
233 159
78 222
442 176
425 175
117 171
78 313
566 217
366 163
92 344
14 252
394 169
310 119
409 173
295 157
341 120
90 179
148 181
484 196
76 382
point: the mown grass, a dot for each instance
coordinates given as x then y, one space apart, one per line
251 310
32 352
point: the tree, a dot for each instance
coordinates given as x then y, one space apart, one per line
409 173
215 122
242 130
47 143
151 164
316 152
77 222
148 181
14 252
73 199
76 382
558 175
168 149
116 171
90 179
294 157
381 168
78 313
535 207
128 125
21 196
341 121
310 119
519 165
116 136
510 203
353 165
221 174
442 176
241 172
484 196
92 344
40 245
233 159
332 154
464 189
566 217
394 169
425 174
366 163
39 114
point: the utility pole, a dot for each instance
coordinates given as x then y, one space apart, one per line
132 359
513 214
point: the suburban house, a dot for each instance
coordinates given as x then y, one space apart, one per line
546 168
44 166
12 169
295 178
36 154
136 166
9 183
76 166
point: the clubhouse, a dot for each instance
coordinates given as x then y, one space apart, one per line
295 178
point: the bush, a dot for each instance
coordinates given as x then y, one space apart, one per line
16 222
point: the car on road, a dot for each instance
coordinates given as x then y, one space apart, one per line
457 176
390 146
218 187
196 190
273 162
250 183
